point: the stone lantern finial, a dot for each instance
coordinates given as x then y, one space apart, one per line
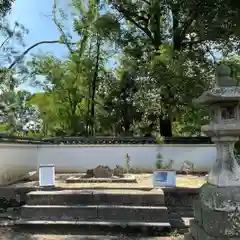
224 79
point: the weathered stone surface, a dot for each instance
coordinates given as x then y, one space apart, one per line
220 199
133 213
95 212
224 78
188 236
221 223
102 172
128 179
91 197
194 229
218 212
32 176
202 234
197 211
54 212
198 233
118 171
89 173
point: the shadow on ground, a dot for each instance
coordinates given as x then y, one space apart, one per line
80 234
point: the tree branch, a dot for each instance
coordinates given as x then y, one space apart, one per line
54 9
27 50
189 21
3 43
129 16
8 37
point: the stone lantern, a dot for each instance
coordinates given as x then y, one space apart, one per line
217 212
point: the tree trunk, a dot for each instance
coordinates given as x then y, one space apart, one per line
94 85
165 127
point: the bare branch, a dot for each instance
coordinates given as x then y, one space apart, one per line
27 50
8 37
148 2
5 41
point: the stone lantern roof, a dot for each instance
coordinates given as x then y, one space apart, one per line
225 90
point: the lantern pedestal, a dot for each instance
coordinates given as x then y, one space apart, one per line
217 211
216 214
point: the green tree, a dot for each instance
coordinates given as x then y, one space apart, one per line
180 32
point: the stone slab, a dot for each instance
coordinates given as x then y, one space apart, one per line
188 236
197 212
220 198
103 213
55 212
198 233
194 229
95 222
101 180
93 197
133 213
179 222
220 223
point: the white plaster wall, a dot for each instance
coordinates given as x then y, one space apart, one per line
78 158
16 160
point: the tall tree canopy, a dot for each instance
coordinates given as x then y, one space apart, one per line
134 69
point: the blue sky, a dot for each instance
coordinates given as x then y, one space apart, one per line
35 15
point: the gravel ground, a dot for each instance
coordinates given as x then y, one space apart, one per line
143 181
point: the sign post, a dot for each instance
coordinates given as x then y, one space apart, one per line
164 178
46 175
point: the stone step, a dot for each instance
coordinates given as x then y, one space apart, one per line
113 223
95 212
181 211
83 197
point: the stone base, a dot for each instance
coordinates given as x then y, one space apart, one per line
130 179
216 214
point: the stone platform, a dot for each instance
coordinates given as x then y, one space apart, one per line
91 207
77 179
177 201
216 214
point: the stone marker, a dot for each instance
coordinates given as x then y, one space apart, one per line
102 172
217 212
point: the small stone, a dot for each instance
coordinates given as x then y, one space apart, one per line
32 176
118 171
89 173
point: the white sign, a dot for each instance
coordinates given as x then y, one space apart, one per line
164 178
46 175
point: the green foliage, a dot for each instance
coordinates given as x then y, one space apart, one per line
5 7
159 139
159 161
165 53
